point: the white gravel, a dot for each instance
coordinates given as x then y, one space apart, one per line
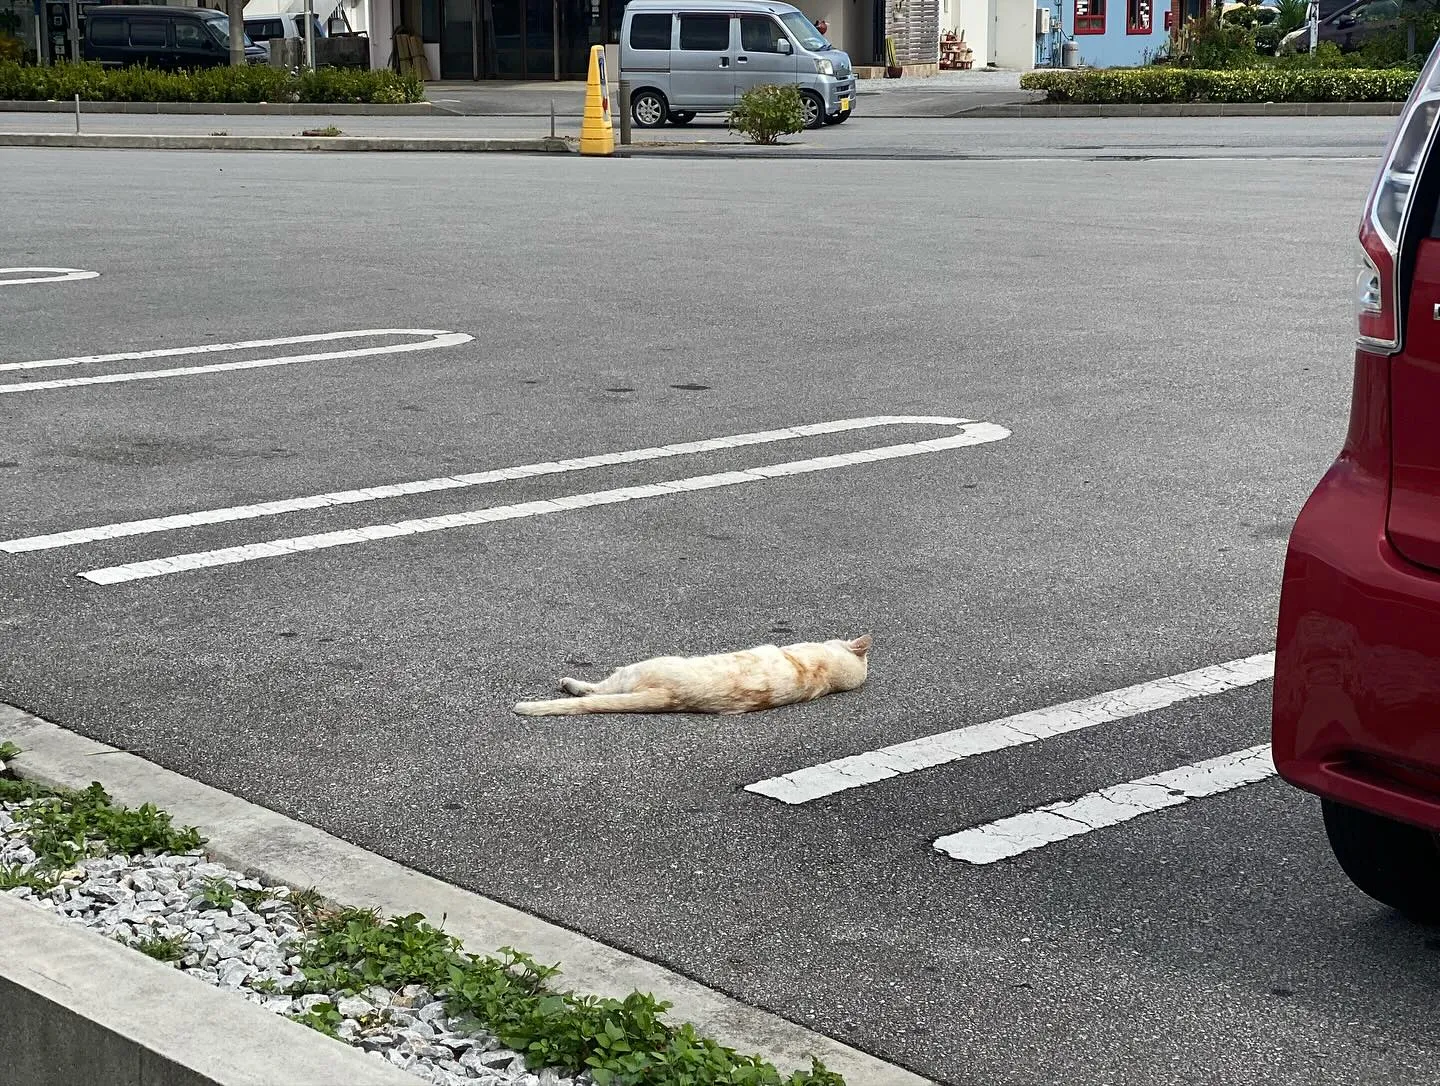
255 952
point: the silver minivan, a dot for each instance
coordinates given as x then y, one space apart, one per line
682 58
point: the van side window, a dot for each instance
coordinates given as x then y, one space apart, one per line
705 33
108 31
147 32
759 33
265 29
650 32
190 36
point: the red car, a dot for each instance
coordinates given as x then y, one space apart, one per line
1357 665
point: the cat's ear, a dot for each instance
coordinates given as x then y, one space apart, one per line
860 646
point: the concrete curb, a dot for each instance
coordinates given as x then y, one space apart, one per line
543 144
238 109
79 1008
278 849
1189 109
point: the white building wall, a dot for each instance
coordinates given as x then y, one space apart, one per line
974 18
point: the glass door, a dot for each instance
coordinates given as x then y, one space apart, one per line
457 40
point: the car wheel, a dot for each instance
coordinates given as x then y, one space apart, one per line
684 117
648 109
1395 863
839 118
814 109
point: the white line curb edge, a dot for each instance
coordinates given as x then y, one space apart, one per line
279 849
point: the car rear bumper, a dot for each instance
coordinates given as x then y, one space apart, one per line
1357 665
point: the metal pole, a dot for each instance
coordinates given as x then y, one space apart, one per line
555 37
552 118
624 103
74 31
77 114
42 54
236 9
310 35
1312 16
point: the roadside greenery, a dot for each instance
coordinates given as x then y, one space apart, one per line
620 1042
1166 85
766 113
252 83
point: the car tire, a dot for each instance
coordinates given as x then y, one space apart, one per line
814 109
683 117
1393 862
839 118
648 108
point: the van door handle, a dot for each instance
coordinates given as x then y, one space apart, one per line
724 62
741 60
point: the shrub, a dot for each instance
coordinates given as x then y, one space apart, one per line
766 113
1273 84
252 83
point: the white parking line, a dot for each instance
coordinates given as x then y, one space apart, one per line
815 782
52 275
454 482
1108 807
977 433
436 339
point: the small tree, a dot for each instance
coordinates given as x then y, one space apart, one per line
766 113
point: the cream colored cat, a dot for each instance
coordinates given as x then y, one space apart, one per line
732 682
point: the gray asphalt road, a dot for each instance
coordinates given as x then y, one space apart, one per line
1270 137
1168 343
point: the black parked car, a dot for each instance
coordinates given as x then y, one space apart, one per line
1353 25
161 37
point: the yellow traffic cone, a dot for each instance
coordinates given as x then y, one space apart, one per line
597 132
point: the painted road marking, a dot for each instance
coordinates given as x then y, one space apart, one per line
435 339
1108 807
970 433
815 782
51 275
455 482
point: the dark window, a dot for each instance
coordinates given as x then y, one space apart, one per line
759 33
705 33
108 31
147 32
1137 16
190 36
1089 16
650 32
263 29
430 20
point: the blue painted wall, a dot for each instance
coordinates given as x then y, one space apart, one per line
1115 48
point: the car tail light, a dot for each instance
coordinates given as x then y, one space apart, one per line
1377 288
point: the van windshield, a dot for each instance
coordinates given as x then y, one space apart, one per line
221 29
804 32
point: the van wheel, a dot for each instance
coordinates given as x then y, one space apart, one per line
682 118
1395 863
839 118
648 108
814 109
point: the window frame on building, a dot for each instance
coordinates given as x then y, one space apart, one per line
1090 20
1134 24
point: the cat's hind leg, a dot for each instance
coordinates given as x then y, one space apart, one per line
576 687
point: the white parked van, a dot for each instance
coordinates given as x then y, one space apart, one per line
681 59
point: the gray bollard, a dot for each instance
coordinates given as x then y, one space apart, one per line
624 104
77 114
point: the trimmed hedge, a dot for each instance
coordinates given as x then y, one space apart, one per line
1160 85
252 83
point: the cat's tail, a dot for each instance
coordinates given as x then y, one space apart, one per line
637 701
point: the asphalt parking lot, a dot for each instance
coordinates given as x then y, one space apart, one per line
1058 416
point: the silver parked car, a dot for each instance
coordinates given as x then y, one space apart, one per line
686 58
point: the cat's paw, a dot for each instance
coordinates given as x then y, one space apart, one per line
576 687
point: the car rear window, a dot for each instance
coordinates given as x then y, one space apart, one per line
705 33
264 29
107 31
650 32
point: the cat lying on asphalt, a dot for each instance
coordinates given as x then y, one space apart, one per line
732 682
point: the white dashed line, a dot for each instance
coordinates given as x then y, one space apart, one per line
1108 807
815 782
436 339
51 275
455 482
977 433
